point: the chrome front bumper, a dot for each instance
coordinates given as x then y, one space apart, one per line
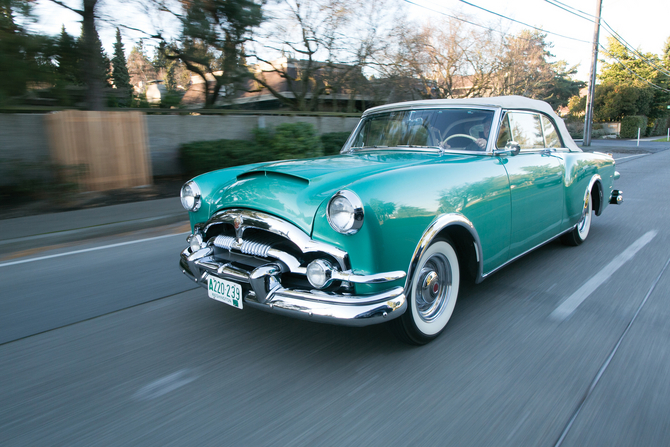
263 290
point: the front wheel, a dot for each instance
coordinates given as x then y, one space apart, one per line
579 233
432 296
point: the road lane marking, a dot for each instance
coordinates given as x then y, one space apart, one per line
166 384
567 307
86 250
630 156
605 365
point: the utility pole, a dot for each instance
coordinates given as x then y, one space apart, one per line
588 118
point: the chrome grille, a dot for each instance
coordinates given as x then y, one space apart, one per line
248 247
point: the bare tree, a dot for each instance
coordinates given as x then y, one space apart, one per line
312 49
445 59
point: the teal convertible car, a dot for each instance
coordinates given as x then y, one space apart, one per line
422 195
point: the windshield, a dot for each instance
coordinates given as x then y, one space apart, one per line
455 128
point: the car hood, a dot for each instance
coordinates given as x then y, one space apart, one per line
295 189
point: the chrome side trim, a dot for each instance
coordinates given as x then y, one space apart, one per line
431 232
267 222
486 275
594 179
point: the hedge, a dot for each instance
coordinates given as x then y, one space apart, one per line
333 142
286 141
630 125
658 127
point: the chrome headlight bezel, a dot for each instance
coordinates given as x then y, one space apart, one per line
356 214
190 191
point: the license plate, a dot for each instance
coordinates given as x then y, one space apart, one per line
225 291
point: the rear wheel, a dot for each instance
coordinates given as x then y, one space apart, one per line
581 231
432 296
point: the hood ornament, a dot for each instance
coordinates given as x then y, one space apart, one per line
239 229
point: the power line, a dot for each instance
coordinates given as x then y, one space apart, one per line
574 9
632 72
562 6
467 21
610 30
522 23
456 17
628 46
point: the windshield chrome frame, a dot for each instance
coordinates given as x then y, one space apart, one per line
490 146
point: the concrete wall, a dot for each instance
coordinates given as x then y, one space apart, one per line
23 137
24 147
168 132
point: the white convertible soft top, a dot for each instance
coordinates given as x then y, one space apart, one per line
504 102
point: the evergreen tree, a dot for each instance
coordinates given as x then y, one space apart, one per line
24 58
170 78
160 62
120 76
102 63
68 59
629 82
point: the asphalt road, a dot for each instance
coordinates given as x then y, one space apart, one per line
113 346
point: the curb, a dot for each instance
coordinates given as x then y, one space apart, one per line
59 237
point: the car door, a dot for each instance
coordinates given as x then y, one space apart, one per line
536 177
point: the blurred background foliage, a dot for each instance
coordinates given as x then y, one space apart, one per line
286 141
312 55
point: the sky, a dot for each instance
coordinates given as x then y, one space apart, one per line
644 26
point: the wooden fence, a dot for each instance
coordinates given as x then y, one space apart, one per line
109 147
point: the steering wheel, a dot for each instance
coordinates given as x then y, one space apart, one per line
459 135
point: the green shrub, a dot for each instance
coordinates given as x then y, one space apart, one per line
204 156
575 128
296 140
659 126
290 140
333 142
630 124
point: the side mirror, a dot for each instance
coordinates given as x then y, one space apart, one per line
513 147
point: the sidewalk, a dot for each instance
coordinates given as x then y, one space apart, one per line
47 229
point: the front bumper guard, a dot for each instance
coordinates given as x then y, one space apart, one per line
265 292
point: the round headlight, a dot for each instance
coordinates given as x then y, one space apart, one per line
190 196
319 273
345 212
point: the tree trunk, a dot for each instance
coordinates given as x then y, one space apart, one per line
92 64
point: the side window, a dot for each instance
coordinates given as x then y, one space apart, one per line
551 137
503 134
526 129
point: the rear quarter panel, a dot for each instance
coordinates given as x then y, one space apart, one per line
580 168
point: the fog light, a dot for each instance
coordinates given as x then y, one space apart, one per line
195 241
319 273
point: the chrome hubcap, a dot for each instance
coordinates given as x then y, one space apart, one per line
433 288
585 222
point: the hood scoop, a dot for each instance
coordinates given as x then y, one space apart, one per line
271 175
